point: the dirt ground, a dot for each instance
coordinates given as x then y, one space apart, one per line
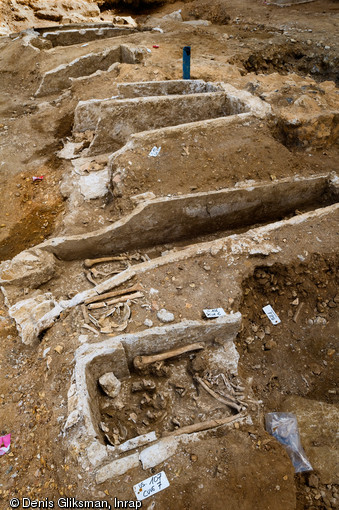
287 57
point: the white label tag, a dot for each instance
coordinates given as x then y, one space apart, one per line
151 486
155 151
213 313
271 314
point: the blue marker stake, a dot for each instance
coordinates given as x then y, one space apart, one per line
186 63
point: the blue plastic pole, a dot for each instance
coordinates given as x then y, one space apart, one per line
186 63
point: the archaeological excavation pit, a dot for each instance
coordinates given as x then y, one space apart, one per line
149 107
188 217
71 34
173 196
165 396
305 297
162 383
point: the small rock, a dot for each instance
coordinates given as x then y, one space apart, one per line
104 427
110 384
165 316
214 251
320 320
249 340
308 42
144 385
270 344
193 457
133 417
261 334
207 268
255 328
59 349
320 308
332 304
313 481
295 302
315 368
148 323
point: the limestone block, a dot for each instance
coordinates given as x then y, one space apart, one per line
138 441
94 185
34 315
110 384
159 452
59 78
31 268
55 11
117 468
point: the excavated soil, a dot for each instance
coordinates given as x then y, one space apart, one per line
288 58
297 356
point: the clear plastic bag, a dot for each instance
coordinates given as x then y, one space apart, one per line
284 427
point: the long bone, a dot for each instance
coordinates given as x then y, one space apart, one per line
141 362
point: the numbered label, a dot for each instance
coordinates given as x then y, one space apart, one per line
271 314
213 313
155 151
151 486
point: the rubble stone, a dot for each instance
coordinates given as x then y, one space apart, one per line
110 384
165 316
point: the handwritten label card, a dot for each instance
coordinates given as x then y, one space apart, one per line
271 314
213 313
151 486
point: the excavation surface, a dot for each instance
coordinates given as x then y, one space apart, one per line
248 196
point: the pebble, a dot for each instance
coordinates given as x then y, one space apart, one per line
148 323
261 334
308 42
165 316
270 344
214 251
320 307
320 320
313 481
